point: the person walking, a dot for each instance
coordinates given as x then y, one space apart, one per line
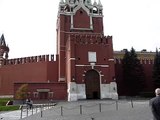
155 105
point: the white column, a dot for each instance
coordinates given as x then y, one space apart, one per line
91 23
71 21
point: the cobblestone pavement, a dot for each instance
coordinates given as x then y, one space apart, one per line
18 114
12 115
96 110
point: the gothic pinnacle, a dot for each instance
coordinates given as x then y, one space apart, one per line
99 3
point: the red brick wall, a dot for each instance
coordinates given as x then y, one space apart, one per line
104 52
52 71
98 25
81 19
59 89
28 72
148 67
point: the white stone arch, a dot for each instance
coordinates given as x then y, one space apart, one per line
81 5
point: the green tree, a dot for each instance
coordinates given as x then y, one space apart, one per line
156 70
133 73
22 92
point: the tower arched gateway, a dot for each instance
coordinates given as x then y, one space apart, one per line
92 83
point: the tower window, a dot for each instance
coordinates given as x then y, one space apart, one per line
90 10
100 12
67 8
95 10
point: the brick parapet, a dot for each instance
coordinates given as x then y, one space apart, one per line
90 38
31 59
142 61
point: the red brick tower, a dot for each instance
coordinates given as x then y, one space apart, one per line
85 55
4 49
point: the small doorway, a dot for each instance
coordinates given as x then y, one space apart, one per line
92 81
43 95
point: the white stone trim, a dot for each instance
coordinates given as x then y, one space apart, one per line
72 91
71 59
80 28
109 91
62 79
92 65
81 5
6 96
80 33
104 65
43 90
111 60
81 91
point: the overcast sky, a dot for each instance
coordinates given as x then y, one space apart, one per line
29 26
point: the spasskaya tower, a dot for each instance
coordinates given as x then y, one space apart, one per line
85 55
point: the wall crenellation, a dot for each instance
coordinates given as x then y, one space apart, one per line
142 61
31 59
90 38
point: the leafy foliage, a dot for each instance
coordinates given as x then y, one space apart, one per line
22 92
156 70
3 106
133 73
9 108
3 101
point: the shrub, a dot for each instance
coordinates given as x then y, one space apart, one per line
9 108
3 101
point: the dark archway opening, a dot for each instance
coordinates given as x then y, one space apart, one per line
92 81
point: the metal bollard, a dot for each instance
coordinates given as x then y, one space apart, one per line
48 105
61 111
132 103
41 112
21 112
36 109
100 107
116 104
27 111
32 110
81 109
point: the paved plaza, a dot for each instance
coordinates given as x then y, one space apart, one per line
92 110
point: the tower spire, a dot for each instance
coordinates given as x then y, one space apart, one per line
88 2
95 3
3 50
2 41
61 1
99 3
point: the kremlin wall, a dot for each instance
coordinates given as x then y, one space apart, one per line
84 67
